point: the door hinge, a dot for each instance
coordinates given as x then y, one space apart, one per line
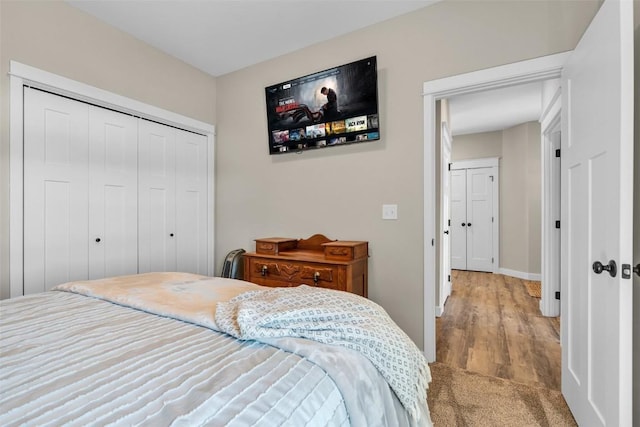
557 294
449 166
449 222
558 152
449 278
491 260
491 219
557 224
433 242
491 176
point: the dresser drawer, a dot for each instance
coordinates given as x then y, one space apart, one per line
269 272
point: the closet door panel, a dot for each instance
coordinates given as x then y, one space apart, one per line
458 217
55 190
191 198
156 197
113 194
479 214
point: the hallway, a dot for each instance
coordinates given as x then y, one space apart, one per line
492 326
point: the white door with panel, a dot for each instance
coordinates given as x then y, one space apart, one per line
597 208
80 191
56 176
445 217
107 194
172 199
113 194
472 218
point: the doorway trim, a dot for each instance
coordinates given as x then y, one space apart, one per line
550 124
533 70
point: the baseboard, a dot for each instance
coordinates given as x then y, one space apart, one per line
520 274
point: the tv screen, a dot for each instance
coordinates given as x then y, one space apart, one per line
332 107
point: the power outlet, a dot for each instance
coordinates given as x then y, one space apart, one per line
389 211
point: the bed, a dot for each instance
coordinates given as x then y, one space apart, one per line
187 350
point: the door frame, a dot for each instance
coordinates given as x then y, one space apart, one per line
550 124
533 70
445 218
21 75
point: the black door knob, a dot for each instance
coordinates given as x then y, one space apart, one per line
171 235
97 240
598 268
468 224
446 231
463 224
636 269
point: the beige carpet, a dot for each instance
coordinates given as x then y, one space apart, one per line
461 398
533 288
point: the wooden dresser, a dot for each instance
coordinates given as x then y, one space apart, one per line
316 261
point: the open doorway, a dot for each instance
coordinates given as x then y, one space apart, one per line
536 70
493 323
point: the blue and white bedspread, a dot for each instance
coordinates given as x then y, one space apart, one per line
335 318
146 350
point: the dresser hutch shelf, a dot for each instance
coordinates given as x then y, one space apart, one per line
316 261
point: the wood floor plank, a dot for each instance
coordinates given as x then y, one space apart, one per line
492 326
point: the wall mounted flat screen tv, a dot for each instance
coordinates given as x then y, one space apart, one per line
332 107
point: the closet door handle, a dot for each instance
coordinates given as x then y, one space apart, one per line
97 240
468 224
463 224
171 235
446 231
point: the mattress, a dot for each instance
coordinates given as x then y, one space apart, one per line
73 359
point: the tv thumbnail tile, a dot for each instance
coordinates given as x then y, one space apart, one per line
355 124
297 134
372 121
316 131
338 126
280 136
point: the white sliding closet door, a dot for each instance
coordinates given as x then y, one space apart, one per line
56 172
191 202
156 197
113 193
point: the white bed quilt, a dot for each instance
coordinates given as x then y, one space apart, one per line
66 359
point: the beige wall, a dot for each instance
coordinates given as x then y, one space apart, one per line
520 187
339 191
477 146
520 199
58 38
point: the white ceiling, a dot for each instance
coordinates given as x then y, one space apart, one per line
496 109
222 36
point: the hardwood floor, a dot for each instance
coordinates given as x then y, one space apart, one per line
492 326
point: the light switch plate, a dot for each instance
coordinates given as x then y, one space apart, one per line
389 211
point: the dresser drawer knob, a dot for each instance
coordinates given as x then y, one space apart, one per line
263 271
316 277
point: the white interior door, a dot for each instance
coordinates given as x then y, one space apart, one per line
55 190
597 196
191 197
458 229
479 219
156 197
445 217
113 193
